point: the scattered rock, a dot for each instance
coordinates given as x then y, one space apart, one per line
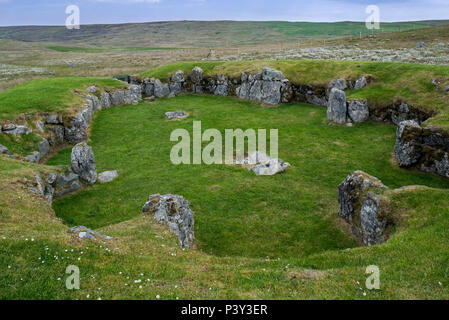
176 115
88 234
173 211
421 45
83 163
107 176
364 208
271 167
336 110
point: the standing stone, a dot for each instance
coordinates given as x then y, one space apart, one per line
358 110
83 163
173 211
197 75
364 208
336 110
408 145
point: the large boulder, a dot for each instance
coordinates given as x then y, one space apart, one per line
358 110
173 211
269 74
337 109
83 163
107 176
196 76
408 148
362 205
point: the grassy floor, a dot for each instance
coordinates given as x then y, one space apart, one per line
288 215
48 95
240 218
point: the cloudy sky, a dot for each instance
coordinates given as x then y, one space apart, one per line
52 12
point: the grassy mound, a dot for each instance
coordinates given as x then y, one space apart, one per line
293 214
49 95
408 82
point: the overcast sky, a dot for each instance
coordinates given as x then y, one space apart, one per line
52 12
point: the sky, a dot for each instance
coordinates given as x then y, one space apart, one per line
53 12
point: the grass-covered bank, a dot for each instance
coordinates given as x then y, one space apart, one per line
236 213
403 81
49 95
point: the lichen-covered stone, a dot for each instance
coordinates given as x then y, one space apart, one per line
358 111
337 109
173 211
363 207
408 148
83 163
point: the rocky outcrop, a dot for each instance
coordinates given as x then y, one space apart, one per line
363 207
173 211
83 163
107 176
88 234
337 109
426 149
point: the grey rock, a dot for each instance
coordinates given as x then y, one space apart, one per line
66 178
92 89
77 130
161 89
54 119
118 97
178 76
88 234
5 150
40 126
196 75
268 92
364 210
93 102
338 83
51 178
176 115
105 100
407 148
358 110
269 74
17 130
33 158
74 186
44 148
107 176
271 167
336 110
173 211
360 83
149 88
83 163
133 94
421 45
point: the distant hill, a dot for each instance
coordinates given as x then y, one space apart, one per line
199 33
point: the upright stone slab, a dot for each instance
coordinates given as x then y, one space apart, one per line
83 163
337 110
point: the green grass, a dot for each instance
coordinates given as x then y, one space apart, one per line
237 213
240 218
409 82
48 95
